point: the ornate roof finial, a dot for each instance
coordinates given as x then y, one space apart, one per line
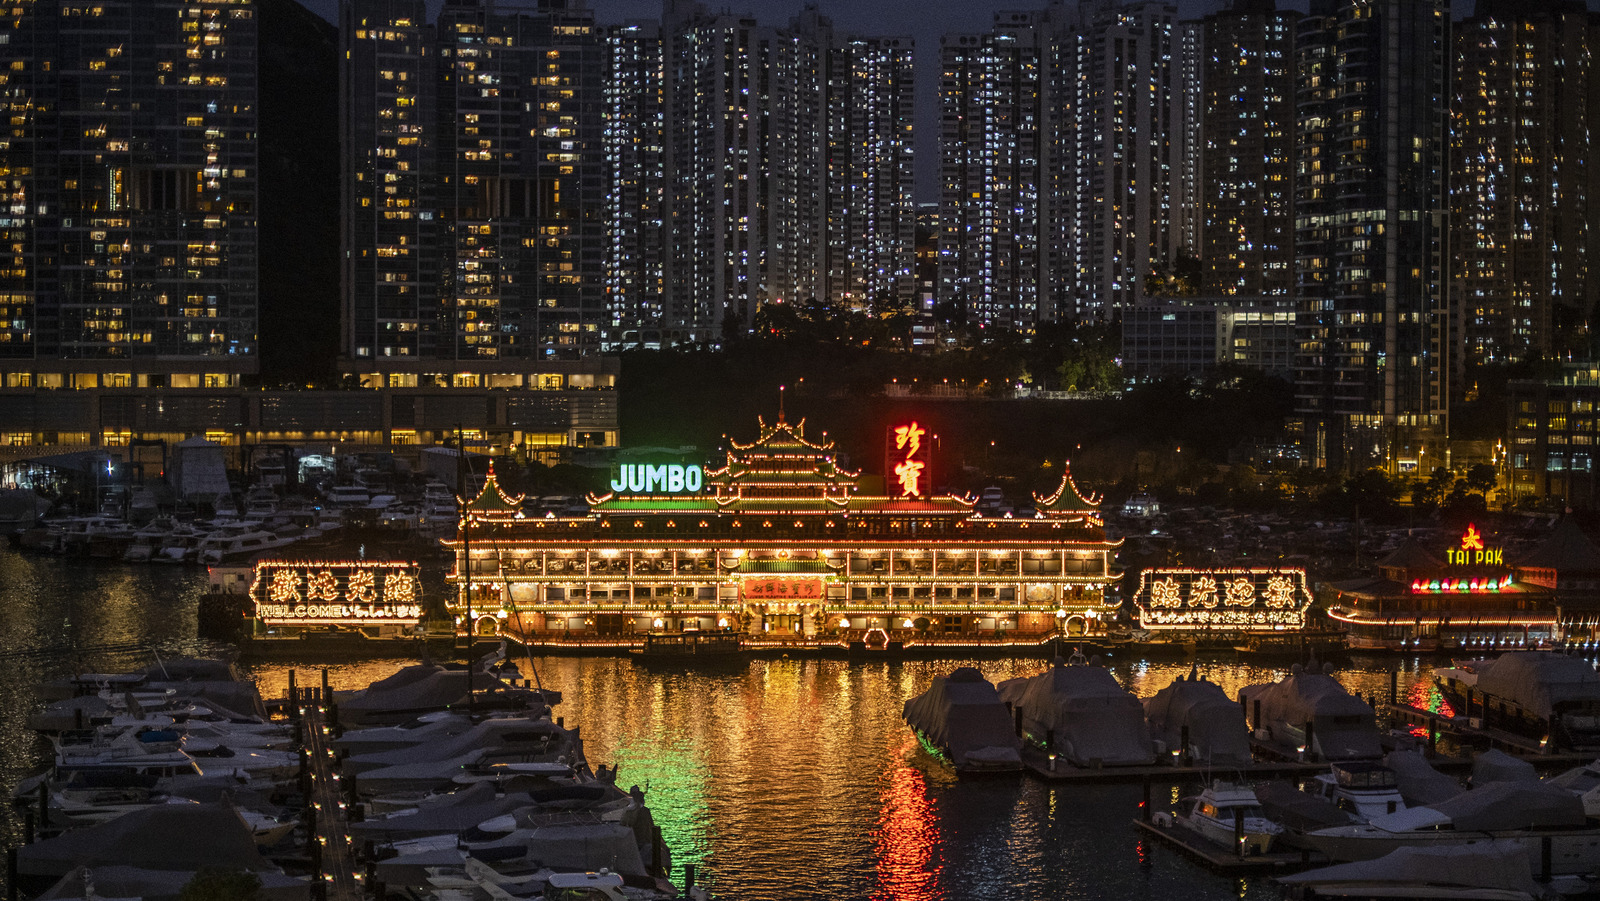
781 389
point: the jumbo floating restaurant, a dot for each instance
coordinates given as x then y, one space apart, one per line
785 546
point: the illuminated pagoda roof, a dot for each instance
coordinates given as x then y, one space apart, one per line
492 502
779 468
1068 500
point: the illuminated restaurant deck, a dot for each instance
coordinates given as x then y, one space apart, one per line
782 544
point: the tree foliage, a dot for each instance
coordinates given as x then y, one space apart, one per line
219 884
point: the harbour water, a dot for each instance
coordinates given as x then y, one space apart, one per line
789 779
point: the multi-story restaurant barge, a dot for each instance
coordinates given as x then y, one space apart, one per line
783 545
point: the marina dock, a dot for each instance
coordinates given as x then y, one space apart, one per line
1038 764
332 855
1220 859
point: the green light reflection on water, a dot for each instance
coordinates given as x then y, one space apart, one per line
673 774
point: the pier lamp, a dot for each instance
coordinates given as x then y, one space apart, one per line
1301 751
1052 760
659 623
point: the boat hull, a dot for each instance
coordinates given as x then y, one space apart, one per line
1572 851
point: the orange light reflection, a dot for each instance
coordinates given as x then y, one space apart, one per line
907 839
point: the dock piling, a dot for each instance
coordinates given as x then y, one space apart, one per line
1144 806
1255 715
1311 741
44 806
27 827
1544 858
656 844
1238 830
688 878
1183 743
1394 686
11 874
1016 715
294 700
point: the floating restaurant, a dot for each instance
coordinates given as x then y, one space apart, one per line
1467 597
783 545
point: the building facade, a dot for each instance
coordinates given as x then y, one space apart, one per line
1369 225
1246 195
129 173
1524 202
781 544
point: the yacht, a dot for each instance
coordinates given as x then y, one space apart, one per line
348 495
237 541
1364 790
1219 813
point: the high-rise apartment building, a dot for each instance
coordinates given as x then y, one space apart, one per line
634 140
1246 193
1128 116
128 169
993 233
1524 197
1369 219
392 268
1063 153
474 186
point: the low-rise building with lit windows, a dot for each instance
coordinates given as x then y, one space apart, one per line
782 544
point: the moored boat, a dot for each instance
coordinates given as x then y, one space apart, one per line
962 717
1230 815
1080 712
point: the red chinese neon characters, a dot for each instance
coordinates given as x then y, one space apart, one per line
908 470
1472 541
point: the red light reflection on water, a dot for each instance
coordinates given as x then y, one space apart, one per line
1426 696
907 838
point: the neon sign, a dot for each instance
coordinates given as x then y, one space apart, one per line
909 458
642 478
1436 585
336 593
1472 551
1233 599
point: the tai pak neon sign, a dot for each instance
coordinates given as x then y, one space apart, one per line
1472 551
644 478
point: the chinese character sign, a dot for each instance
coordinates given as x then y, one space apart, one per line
306 593
1473 552
1238 600
909 460
778 589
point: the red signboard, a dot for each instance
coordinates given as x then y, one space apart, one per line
776 589
908 467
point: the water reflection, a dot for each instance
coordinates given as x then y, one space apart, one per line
788 779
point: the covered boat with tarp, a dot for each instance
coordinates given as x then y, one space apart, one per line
212 835
1486 870
1313 713
1080 712
427 688
1419 783
962 717
1541 694
1200 710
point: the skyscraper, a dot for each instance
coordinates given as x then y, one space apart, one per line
634 141
1525 209
993 240
392 281
1062 171
129 173
1369 208
1246 193
474 190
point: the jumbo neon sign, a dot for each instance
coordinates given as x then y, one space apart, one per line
644 478
1472 551
1242 599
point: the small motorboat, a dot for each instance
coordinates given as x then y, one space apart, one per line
1230 815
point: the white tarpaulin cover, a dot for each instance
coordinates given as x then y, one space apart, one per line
198 469
1512 805
1344 726
1485 865
1419 783
1218 733
1090 715
962 714
1495 765
1537 681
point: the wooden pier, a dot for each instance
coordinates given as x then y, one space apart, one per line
333 861
1037 763
1222 860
